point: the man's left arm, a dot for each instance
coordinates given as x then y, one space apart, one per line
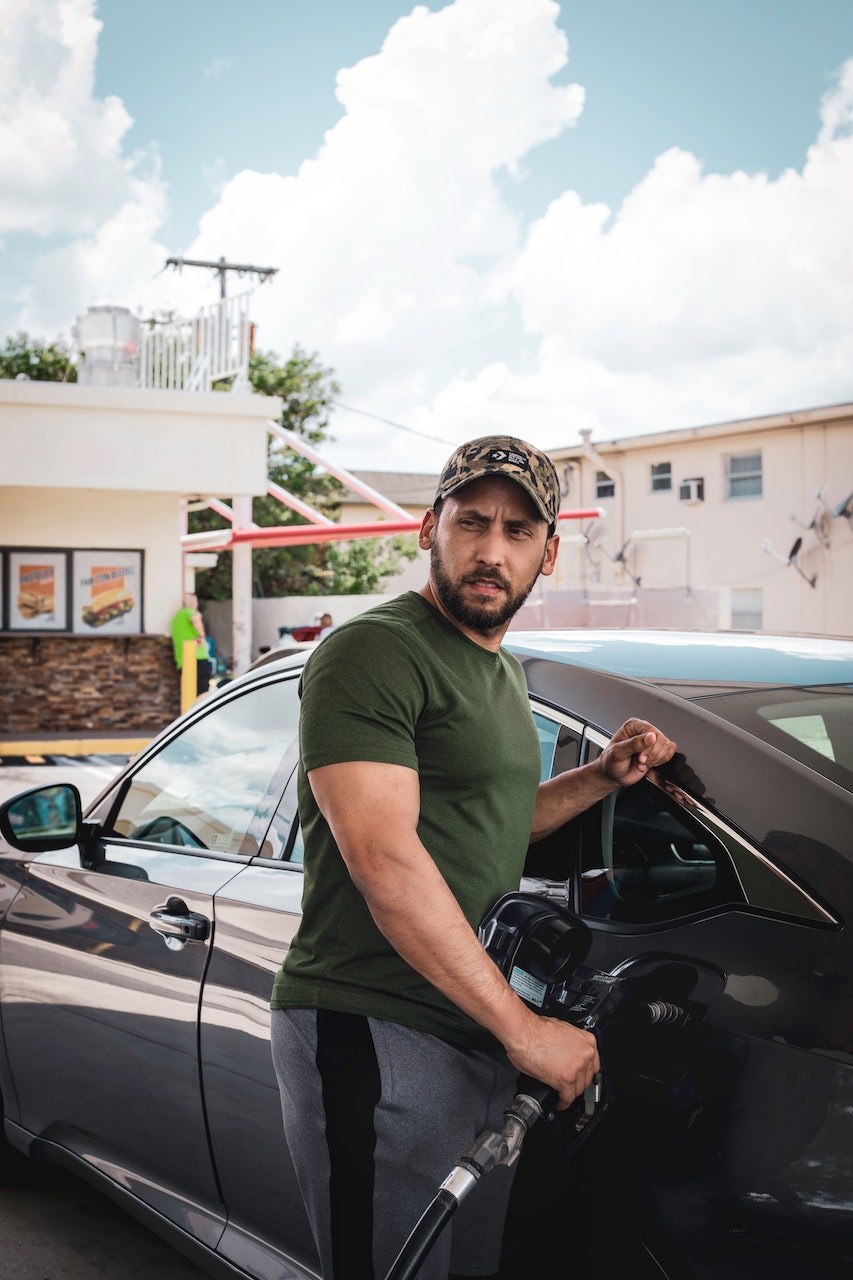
634 749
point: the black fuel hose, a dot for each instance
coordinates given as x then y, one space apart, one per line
426 1231
532 1101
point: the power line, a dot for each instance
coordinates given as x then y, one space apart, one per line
389 422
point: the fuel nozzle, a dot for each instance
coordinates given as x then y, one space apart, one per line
534 1101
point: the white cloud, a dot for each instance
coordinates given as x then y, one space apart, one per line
703 297
216 66
62 168
64 172
394 242
707 297
103 268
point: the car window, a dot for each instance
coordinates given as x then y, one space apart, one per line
652 861
210 787
653 853
283 838
560 744
812 725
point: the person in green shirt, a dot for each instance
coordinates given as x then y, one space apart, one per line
395 1038
188 624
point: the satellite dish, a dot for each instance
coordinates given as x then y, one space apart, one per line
795 550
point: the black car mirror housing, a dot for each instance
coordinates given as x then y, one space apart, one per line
43 819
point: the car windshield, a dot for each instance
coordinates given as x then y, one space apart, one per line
813 725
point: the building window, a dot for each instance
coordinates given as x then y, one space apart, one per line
743 475
605 486
661 476
747 609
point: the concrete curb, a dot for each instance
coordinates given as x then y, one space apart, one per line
35 749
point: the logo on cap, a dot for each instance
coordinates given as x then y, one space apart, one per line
508 455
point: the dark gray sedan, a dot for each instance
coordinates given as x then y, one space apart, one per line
138 944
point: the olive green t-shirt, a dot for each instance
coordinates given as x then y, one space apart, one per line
401 685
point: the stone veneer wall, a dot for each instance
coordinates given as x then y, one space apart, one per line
77 684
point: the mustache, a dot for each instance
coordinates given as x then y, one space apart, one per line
487 575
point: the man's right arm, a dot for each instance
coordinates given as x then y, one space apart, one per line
372 810
198 622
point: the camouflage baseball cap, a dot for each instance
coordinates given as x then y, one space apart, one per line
504 456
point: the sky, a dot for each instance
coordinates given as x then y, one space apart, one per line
486 216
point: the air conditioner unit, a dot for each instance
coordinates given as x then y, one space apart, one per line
692 490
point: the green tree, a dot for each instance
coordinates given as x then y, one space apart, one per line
307 389
36 359
360 568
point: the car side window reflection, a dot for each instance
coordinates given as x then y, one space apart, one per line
559 744
209 785
283 839
651 863
640 855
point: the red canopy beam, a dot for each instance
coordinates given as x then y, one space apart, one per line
295 535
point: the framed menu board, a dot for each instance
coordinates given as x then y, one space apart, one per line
36 590
106 592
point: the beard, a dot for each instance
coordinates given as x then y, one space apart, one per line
482 618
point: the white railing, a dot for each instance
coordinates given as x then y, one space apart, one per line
190 355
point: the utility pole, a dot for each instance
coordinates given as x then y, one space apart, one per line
241 504
222 267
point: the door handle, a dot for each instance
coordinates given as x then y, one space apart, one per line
175 920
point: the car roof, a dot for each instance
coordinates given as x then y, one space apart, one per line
693 663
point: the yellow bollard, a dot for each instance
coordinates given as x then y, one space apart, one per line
189 675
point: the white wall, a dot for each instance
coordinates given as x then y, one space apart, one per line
59 435
288 611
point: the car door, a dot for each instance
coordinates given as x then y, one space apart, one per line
104 963
729 1133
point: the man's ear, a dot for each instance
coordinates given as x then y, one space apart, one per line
549 563
427 529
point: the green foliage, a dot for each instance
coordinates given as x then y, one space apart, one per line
307 390
360 568
38 360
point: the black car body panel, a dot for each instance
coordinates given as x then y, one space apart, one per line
136 967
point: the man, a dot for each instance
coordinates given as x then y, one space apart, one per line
395 1038
188 624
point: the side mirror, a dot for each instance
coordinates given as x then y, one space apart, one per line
43 819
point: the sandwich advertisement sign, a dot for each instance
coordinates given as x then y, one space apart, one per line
106 592
38 591
94 592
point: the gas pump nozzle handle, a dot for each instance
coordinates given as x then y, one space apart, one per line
543 1098
533 1096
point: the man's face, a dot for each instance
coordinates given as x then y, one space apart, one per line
486 551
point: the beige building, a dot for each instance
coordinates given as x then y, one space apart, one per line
744 525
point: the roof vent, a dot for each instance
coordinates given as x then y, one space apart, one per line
108 341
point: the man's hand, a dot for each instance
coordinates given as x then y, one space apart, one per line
559 1054
633 750
629 755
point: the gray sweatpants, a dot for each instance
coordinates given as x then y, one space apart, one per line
376 1115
